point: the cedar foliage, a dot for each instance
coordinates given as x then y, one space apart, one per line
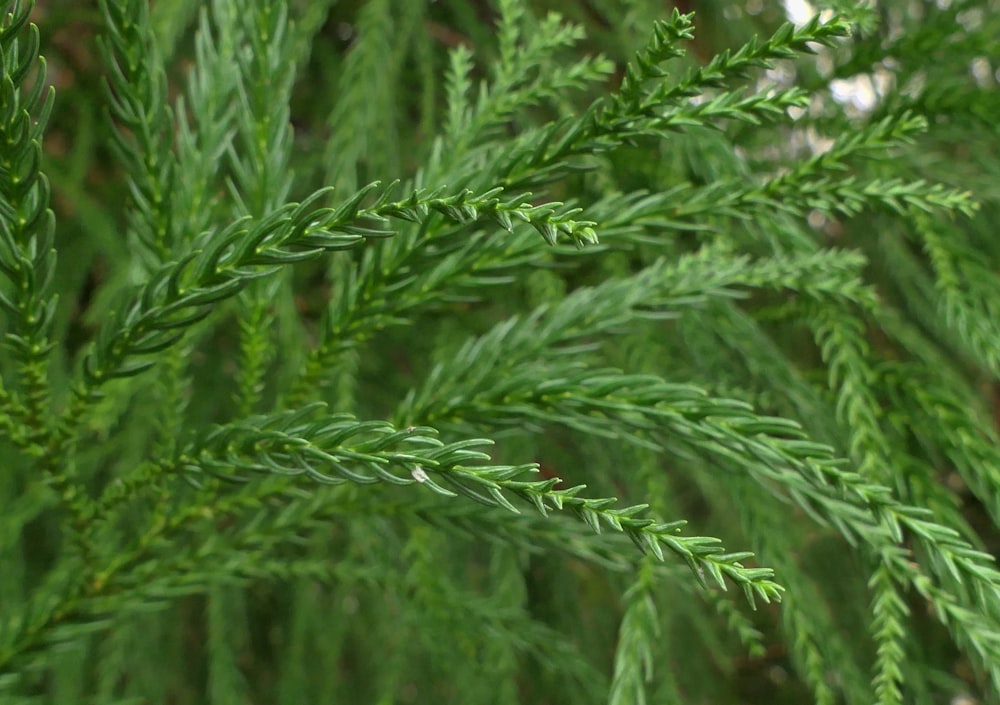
364 313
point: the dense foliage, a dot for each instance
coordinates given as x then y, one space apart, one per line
364 313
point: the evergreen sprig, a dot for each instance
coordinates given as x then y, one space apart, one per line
27 227
335 449
137 90
182 293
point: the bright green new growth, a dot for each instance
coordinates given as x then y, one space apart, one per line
377 332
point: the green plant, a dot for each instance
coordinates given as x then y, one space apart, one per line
274 430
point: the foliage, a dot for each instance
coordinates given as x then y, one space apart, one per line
365 313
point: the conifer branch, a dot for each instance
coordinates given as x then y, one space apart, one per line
362 103
495 363
857 507
637 107
28 255
634 655
206 123
338 449
27 227
968 294
375 299
205 127
262 174
137 100
814 641
952 560
259 158
889 611
537 156
436 595
327 451
519 81
953 426
184 292
638 111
